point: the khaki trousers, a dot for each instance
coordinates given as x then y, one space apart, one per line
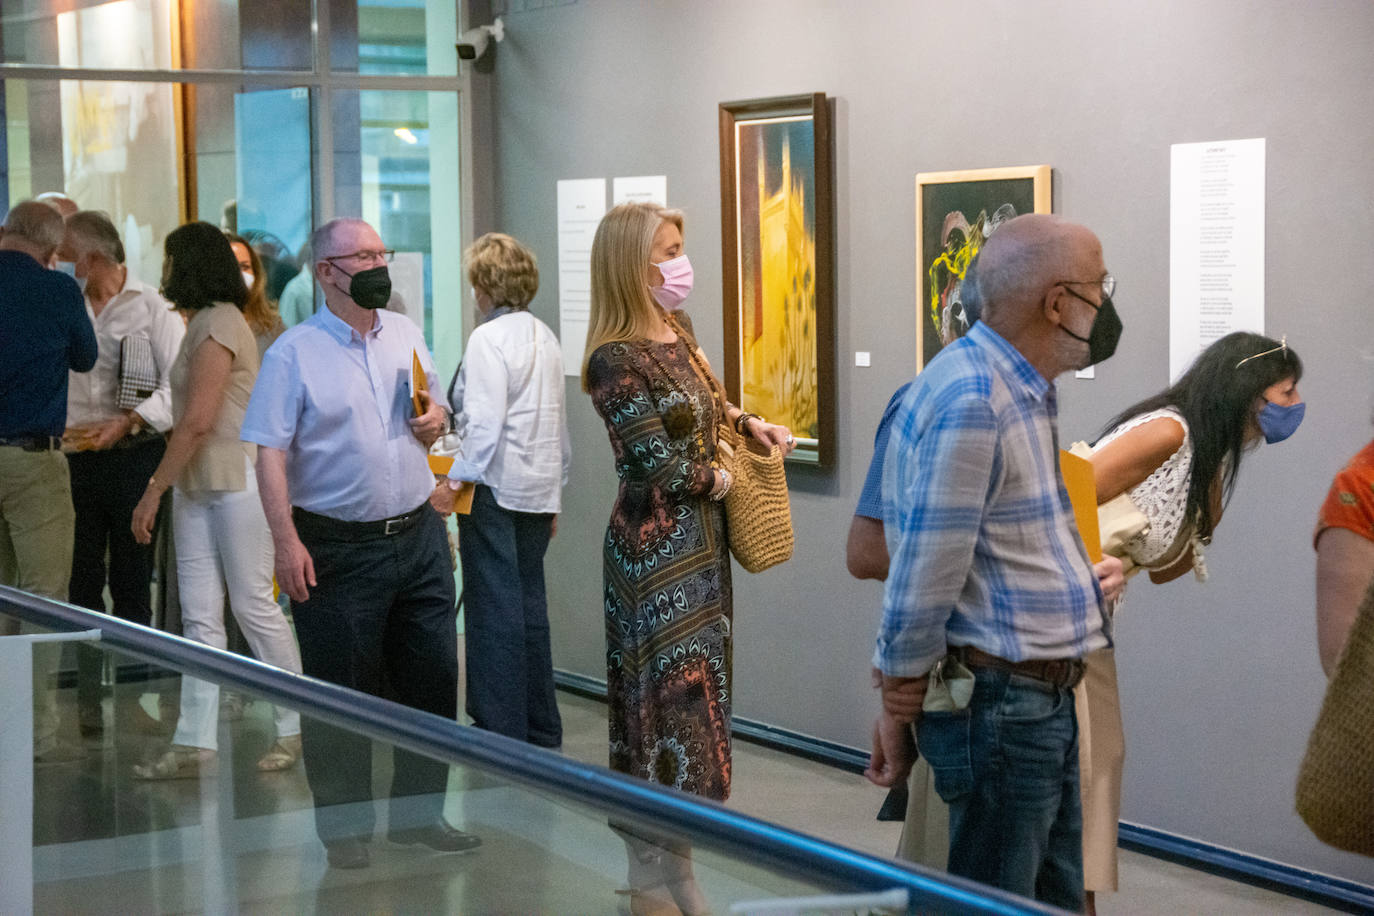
1101 756
36 529
925 834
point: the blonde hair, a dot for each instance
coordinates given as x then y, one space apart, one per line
259 311
504 269
622 308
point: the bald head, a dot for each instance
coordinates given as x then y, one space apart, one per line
59 202
1024 258
33 228
342 236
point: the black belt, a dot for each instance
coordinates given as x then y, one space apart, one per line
1060 672
33 443
322 526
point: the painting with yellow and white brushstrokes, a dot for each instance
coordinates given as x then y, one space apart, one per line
776 205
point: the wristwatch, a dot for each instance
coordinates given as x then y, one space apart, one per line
136 424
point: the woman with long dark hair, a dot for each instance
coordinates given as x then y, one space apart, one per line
222 538
1177 454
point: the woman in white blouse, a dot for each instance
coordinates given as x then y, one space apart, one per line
222 538
508 413
1177 454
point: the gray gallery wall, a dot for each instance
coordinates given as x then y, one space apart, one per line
1220 682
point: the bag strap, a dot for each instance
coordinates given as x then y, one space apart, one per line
706 377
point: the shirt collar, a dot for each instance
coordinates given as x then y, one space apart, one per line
497 312
1009 361
341 330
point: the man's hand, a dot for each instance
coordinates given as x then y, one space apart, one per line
1111 578
894 751
429 425
108 433
553 527
295 569
443 498
902 697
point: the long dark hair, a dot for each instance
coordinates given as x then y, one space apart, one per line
202 269
1216 397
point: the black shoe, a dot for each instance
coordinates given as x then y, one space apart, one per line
439 835
347 853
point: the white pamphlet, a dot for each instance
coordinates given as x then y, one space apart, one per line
581 204
651 189
1216 245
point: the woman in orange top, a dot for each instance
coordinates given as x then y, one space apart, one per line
1344 541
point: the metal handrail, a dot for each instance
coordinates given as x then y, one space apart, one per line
617 795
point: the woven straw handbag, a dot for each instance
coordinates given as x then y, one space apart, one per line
758 513
1336 782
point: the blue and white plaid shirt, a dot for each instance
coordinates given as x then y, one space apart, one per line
985 551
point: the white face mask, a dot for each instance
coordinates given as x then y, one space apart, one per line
248 278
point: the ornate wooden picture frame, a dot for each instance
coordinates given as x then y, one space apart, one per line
778 240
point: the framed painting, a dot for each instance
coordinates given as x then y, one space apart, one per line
778 240
956 212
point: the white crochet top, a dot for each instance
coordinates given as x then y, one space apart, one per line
1162 497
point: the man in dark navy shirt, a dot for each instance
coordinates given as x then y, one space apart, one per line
44 334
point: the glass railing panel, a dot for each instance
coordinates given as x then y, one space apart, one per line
220 834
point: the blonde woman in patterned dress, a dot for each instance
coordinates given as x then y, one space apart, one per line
667 596
1177 454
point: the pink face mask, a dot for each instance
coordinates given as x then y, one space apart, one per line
677 282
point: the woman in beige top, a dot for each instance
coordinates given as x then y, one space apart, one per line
218 522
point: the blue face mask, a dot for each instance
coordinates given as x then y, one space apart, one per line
66 267
1278 423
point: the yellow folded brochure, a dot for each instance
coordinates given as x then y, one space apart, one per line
418 381
462 500
1078 480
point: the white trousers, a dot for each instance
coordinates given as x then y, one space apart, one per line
222 537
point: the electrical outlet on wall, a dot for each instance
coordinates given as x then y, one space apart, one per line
861 358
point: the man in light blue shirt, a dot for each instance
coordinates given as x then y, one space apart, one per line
987 565
345 480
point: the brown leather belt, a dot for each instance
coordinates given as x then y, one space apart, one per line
1060 672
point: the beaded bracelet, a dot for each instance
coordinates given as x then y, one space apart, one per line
726 480
745 418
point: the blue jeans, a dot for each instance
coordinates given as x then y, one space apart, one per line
506 622
1008 768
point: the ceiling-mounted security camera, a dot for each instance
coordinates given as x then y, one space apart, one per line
473 43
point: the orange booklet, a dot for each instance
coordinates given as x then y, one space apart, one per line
439 464
1078 480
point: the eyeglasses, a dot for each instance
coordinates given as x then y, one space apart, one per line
361 257
1281 348
1108 286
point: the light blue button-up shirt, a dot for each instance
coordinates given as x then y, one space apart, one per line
985 551
338 404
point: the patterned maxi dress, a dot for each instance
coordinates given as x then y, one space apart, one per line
667 597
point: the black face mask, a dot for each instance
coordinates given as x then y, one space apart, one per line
1105 333
370 289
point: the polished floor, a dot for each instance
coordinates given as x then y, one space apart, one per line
236 840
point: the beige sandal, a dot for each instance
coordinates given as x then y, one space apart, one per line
281 756
177 762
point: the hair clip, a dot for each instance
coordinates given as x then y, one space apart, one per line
1282 347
